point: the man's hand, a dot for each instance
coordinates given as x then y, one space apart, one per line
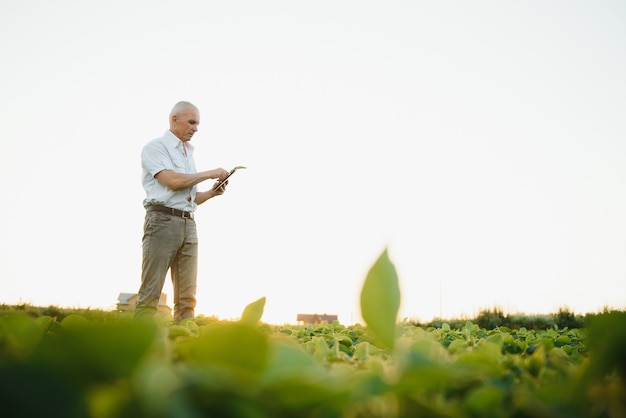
221 190
221 174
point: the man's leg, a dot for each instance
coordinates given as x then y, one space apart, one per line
162 238
184 273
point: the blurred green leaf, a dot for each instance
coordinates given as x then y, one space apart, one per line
288 359
536 360
175 331
74 321
457 345
607 344
479 363
191 325
233 345
100 352
253 312
295 384
486 401
21 333
31 390
380 300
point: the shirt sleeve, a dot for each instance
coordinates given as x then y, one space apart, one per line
155 158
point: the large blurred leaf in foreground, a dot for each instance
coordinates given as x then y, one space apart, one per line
35 390
100 352
233 345
19 335
607 343
380 300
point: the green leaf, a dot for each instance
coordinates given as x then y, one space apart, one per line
253 312
74 321
232 345
288 359
33 390
22 333
457 346
175 331
380 300
607 343
486 401
100 352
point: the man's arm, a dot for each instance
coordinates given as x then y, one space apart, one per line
176 181
202 197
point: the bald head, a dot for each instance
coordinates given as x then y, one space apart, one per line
184 120
181 107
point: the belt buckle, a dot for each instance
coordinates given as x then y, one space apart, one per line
187 215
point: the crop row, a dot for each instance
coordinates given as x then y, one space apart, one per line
119 368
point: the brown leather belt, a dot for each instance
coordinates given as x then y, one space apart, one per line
171 211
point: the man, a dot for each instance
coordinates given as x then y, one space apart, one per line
170 241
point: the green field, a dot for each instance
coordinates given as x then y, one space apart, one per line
64 363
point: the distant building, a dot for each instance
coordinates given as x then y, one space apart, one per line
315 318
127 302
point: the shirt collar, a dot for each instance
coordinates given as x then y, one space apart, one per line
175 142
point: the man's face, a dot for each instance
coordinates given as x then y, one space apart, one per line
184 124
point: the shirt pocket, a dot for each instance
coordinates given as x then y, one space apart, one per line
179 163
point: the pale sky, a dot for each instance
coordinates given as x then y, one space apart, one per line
481 142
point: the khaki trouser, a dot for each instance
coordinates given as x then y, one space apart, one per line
169 243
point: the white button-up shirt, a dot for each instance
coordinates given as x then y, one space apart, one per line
167 153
